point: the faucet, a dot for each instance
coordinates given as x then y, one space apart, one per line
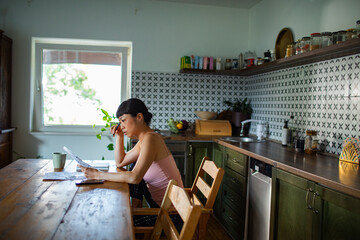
260 131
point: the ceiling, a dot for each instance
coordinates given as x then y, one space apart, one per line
246 4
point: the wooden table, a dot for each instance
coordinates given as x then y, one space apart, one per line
31 208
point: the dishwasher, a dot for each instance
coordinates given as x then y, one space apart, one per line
259 200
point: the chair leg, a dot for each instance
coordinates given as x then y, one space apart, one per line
204 218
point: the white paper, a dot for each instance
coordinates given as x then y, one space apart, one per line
64 176
76 158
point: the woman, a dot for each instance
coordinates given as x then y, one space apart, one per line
152 163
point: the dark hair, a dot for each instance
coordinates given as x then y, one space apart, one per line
134 106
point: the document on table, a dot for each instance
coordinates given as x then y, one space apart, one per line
76 158
58 176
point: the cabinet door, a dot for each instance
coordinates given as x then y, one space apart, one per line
218 155
290 216
196 152
339 213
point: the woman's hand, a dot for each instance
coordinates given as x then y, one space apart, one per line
90 173
116 129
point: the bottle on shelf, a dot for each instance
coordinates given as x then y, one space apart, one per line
291 135
285 133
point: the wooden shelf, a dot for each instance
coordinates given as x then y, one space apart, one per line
346 48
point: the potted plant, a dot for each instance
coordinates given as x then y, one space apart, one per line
240 111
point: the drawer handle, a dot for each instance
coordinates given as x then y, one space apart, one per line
314 198
234 180
234 160
308 206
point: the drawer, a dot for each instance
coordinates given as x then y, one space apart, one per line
235 201
236 161
232 222
235 181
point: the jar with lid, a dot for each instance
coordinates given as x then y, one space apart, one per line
315 143
350 33
234 64
298 47
358 28
326 39
305 44
228 64
309 141
218 63
341 37
334 37
289 51
315 41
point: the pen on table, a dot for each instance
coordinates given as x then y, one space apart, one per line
116 129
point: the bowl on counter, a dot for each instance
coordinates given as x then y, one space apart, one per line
206 115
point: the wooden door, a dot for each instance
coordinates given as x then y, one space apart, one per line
5 101
291 207
218 156
196 152
339 215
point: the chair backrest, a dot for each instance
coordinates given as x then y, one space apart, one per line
210 192
189 213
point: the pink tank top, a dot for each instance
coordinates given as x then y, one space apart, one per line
158 176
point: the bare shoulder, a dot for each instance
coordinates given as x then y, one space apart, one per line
152 139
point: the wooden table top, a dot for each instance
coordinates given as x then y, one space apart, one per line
31 208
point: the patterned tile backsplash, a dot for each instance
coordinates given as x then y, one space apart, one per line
323 96
175 95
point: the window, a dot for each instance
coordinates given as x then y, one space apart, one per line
73 79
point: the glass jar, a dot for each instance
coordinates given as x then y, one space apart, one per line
309 141
334 37
358 28
298 47
341 37
315 41
289 51
234 64
315 143
305 44
326 39
350 33
228 64
218 63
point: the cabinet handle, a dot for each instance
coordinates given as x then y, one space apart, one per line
314 198
234 180
234 160
308 206
190 150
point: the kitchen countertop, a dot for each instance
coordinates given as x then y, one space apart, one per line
321 168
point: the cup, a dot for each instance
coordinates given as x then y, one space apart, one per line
59 160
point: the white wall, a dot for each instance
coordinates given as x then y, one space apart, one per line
161 33
303 17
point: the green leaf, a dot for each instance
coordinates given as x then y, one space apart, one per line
94 126
104 118
103 129
110 147
105 112
103 158
98 136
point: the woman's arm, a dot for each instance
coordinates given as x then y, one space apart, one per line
146 157
122 158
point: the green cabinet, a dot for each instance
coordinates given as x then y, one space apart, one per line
196 152
232 212
218 158
302 209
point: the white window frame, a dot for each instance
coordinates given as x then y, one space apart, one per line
38 44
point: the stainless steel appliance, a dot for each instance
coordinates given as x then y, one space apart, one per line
259 200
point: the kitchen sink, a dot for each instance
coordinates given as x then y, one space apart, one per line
241 139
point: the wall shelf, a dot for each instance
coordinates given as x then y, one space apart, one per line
346 48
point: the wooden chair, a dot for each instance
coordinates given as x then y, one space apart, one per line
210 192
189 212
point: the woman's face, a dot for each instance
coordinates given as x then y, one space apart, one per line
128 125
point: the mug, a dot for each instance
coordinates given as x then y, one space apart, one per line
59 160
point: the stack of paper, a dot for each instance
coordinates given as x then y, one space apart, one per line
98 164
